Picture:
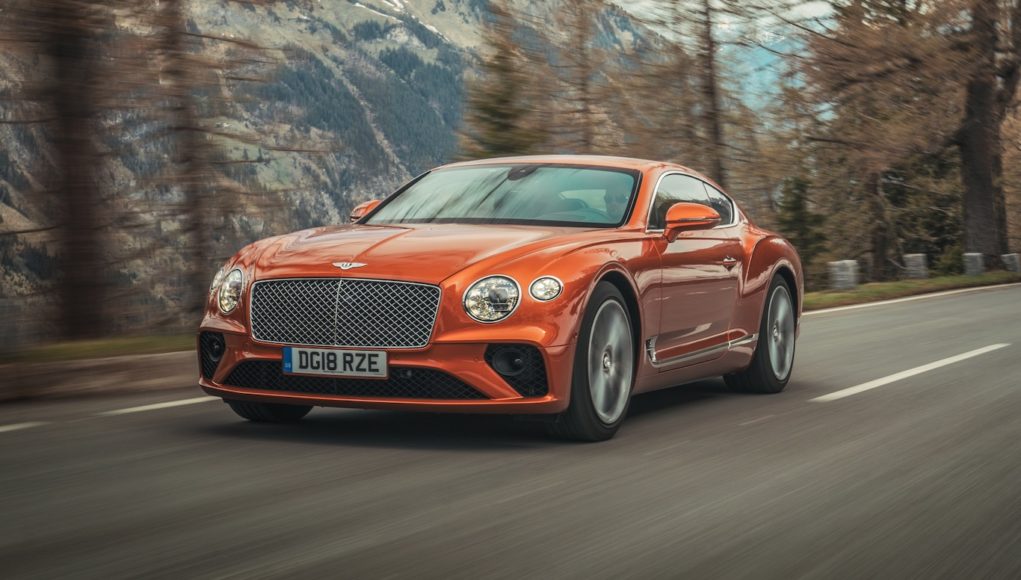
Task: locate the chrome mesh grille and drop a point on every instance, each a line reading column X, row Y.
column 344, row 312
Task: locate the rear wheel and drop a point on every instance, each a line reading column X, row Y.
column 269, row 412
column 773, row 361
column 604, row 366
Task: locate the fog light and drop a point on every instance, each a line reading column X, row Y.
column 216, row 349
column 509, row 361
column 212, row 347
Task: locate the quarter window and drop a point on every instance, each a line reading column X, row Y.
column 675, row 188
column 721, row 203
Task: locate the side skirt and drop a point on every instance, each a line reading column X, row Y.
column 698, row 355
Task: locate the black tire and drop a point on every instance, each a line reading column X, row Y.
column 759, row 377
column 269, row 412
column 581, row 422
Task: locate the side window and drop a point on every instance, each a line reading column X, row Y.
column 721, row 203
column 675, row 188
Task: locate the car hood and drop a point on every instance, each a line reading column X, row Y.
column 423, row 253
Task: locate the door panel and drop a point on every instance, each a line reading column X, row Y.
column 700, row 279
column 700, row 286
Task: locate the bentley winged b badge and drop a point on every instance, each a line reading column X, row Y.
column 348, row 265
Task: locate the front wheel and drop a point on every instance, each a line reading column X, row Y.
column 604, row 369
column 269, row 412
column 773, row 361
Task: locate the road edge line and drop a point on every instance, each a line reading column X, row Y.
column 910, row 298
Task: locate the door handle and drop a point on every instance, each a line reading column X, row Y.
column 729, row 262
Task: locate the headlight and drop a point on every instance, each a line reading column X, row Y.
column 230, row 291
column 545, row 288
column 492, row 299
column 217, row 279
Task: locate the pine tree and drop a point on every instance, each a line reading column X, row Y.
column 502, row 118
column 798, row 223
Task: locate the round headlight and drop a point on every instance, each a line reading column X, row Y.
column 230, row 291
column 217, row 279
column 492, row 299
column 545, row 288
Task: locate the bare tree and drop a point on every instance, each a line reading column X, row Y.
column 711, row 115
column 577, row 67
column 193, row 150
column 877, row 83
column 994, row 49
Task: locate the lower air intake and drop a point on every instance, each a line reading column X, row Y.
column 521, row 365
column 403, row 383
column 211, row 349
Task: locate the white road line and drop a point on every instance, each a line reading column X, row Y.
column 19, row 426
column 906, row 374
column 157, row 406
column 910, row 299
column 667, row 448
column 754, row 421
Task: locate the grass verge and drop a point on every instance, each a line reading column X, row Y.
column 101, row 348
column 876, row 291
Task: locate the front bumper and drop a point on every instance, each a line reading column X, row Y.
column 466, row 362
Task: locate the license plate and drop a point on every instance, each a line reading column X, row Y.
column 334, row 363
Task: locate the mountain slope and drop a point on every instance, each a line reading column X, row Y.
column 376, row 86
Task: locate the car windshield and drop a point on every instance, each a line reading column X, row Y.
column 514, row 194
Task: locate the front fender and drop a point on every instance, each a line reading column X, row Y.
column 553, row 323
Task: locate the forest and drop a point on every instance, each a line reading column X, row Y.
column 860, row 129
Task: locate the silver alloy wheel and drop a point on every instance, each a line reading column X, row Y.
column 610, row 361
column 780, row 333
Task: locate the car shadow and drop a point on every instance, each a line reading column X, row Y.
column 684, row 396
column 391, row 429
column 450, row 432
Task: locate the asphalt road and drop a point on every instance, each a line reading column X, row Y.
column 918, row 476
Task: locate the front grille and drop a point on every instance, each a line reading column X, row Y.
column 404, row 382
column 530, row 379
column 344, row 312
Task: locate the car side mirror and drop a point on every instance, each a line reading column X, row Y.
column 682, row 217
column 362, row 209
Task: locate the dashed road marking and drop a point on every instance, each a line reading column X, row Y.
column 754, row 421
column 20, row 426
column 667, row 448
column 157, row 406
column 906, row 374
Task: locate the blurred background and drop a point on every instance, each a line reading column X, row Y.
column 143, row 142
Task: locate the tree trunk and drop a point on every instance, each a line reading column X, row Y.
column 980, row 143
column 582, row 23
column 192, row 154
column 882, row 268
column 82, row 291
column 1000, row 202
column 711, row 115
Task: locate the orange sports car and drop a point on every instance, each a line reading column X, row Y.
column 555, row 286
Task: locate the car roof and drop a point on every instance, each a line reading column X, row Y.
column 588, row 160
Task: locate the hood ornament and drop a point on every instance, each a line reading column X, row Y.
column 348, row 265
